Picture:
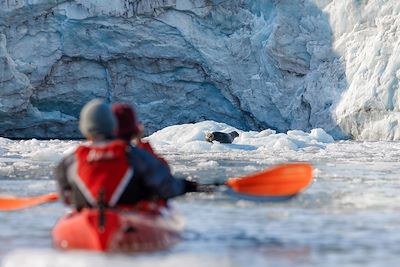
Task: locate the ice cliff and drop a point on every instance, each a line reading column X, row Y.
column 253, row 64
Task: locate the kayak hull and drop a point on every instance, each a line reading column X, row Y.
column 117, row 231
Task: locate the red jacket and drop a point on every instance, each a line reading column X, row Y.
column 116, row 174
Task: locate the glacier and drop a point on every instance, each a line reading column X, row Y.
column 252, row 64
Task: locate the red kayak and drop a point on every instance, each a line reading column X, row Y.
column 118, row 231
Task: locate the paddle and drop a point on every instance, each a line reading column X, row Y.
column 14, row 203
column 278, row 183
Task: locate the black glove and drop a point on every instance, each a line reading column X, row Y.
column 190, row 186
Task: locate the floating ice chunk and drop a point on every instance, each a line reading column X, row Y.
column 285, row 144
column 208, row 164
column 184, row 133
column 196, row 146
column 47, row 154
column 321, row 136
column 191, row 137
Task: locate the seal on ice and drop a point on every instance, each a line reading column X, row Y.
column 225, row 138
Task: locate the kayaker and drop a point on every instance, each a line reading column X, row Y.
column 108, row 172
column 130, row 129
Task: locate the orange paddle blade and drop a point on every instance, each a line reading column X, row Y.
column 282, row 180
column 15, row 203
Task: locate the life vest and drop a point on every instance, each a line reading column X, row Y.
column 103, row 172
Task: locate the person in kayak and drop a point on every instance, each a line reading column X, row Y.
column 130, row 129
column 108, row 172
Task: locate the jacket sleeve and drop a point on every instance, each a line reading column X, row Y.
column 156, row 175
column 147, row 146
column 63, row 185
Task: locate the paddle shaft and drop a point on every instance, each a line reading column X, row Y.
column 278, row 183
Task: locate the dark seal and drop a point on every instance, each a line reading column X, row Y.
column 225, row 138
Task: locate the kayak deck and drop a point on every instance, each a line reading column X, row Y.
column 118, row 231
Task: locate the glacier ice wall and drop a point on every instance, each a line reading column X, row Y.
column 252, row 64
column 367, row 36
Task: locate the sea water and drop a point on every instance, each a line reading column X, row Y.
column 349, row 216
